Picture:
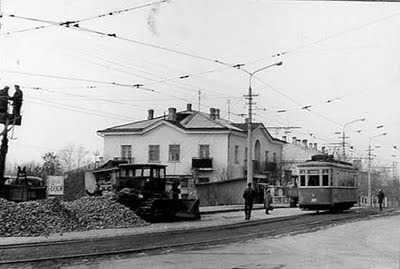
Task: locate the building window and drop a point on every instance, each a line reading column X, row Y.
column 236, row 154
column 174, row 153
column 126, row 151
column 204, row 151
column 267, row 156
column 154, row 153
column 274, row 156
column 203, row 180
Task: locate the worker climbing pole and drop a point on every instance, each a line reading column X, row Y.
column 9, row 121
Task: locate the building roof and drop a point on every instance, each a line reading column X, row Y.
column 187, row 120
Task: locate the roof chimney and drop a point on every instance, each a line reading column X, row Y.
column 212, row 113
column 188, row 107
column 316, row 146
column 323, row 149
column 284, row 138
column 305, row 143
column 151, row 114
column 298, row 142
column 217, row 113
column 294, row 140
column 171, row 114
column 310, row 145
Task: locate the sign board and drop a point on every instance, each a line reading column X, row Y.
column 55, row 185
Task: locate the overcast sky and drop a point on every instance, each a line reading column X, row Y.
column 340, row 58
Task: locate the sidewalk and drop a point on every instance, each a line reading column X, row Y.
column 211, row 217
column 232, row 208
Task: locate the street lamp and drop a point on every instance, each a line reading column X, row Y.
column 249, row 123
column 344, row 136
column 369, row 167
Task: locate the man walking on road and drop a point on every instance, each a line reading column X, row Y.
column 380, row 196
column 248, row 195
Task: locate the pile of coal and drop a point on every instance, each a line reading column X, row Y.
column 50, row 216
column 35, row 218
column 101, row 212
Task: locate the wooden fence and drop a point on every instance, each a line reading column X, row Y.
column 227, row 192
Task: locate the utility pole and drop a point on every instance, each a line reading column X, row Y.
column 229, row 110
column 249, row 97
column 369, row 175
column 3, row 150
column 369, row 169
column 1, row 15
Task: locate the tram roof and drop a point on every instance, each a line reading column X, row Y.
column 337, row 164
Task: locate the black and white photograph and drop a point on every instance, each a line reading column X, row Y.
column 200, row 134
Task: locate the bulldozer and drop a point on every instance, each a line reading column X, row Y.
column 143, row 188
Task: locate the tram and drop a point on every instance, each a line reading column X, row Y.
column 327, row 184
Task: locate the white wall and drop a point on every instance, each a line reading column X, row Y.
column 236, row 170
column 164, row 135
column 267, row 145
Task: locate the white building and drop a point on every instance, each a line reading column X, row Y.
column 193, row 143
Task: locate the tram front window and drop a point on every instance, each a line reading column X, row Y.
column 313, row 180
column 302, row 180
column 325, row 180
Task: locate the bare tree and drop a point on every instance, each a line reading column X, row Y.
column 73, row 156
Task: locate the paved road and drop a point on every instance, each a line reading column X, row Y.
column 180, row 260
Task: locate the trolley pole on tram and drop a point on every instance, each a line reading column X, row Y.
column 249, row 97
column 369, row 169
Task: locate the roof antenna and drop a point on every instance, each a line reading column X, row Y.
column 199, row 100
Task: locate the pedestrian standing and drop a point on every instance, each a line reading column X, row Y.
column 380, row 196
column 267, row 200
column 248, row 195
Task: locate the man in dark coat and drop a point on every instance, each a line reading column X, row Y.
column 17, row 101
column 380, row 196
column 4, row 97
column 248, row 195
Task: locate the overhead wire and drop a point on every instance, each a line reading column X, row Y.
column 182, row 77
column 136, row 86
column 67, row 23
column 75, row 25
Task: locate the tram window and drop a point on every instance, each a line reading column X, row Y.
column 302, row 171
column 302, row 180
column 325, row 180
column 313, row 180
column 138, row 172
column 130, row 173
column 146, row 172
column 123, row 173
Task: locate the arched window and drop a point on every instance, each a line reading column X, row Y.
column 257, row 151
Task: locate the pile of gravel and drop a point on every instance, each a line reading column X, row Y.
column 46, row 217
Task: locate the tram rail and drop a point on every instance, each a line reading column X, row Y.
column 191, row 238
